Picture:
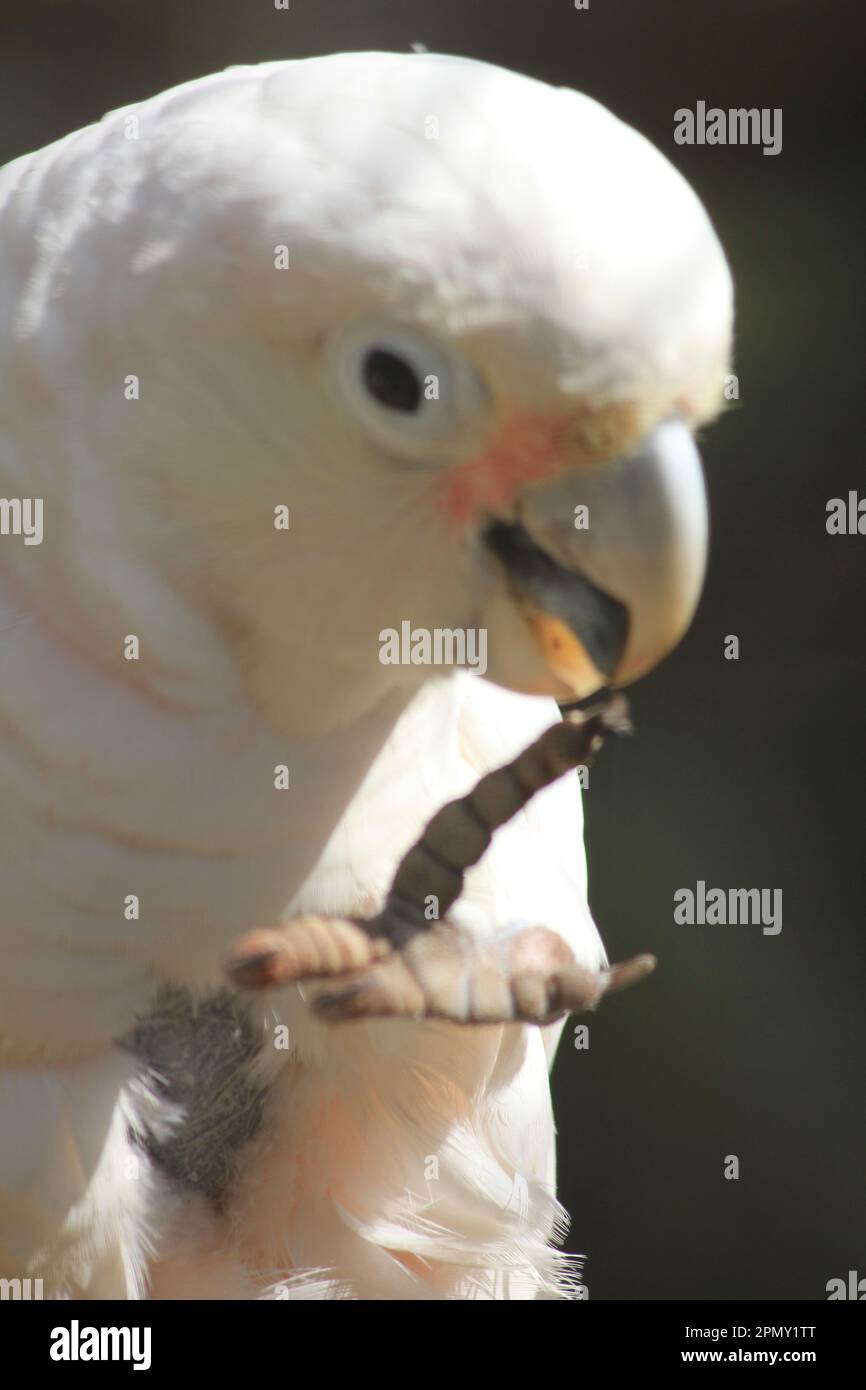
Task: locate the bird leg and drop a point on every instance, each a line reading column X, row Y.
column 399, row 964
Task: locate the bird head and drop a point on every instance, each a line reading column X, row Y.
column 517, row 313
column 460, row 324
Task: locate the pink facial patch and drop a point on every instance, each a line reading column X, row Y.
column 525, row 448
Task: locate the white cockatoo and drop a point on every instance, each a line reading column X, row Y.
column 293, row 356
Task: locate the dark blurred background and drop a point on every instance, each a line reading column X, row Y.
column 744, row 773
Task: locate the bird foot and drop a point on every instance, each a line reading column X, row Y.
column 400, row 965
column 528, row 975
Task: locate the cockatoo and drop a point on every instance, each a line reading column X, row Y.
column 293, row 355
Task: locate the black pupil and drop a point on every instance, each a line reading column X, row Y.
column 391, row 380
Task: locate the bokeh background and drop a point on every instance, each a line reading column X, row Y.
column 745, row 773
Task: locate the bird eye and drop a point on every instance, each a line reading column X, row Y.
column 391, row 379
column 415, row 397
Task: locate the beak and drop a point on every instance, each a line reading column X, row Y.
column 608, row 591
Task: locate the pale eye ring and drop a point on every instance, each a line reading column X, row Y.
column 417, row 398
